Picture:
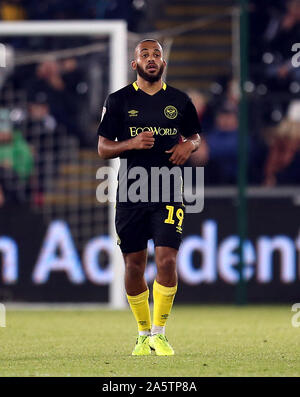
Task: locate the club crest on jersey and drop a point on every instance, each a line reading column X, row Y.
column 170, row 112
column 133, row 113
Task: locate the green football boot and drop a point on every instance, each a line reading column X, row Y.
column 142, row 347
column 160, row 344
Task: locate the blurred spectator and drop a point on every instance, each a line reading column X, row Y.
column 283, row 160
column 203, row 109
column 226, row 94
column 282, row 32
column 39, row 113
column 232, row 95
column 64, row 86
column 199, row 101
column 16, row 160
column 222, row 145
column 260, row 14
column 43, row 135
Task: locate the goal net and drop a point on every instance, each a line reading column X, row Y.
column 53, row 82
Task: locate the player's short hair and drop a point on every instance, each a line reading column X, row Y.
column 145, row 40
column 153, row 40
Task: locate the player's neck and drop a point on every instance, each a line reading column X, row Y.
column 149, row 88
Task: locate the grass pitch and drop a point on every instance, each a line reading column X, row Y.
column 208, row 341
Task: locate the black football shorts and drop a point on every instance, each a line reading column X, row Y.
column 161, row 222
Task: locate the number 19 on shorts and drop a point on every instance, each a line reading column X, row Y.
column 179, row 215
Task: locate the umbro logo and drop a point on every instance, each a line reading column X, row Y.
column 133, row 113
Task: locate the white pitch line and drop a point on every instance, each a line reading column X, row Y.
column 19, row 306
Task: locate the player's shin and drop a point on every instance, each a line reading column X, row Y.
column 139, row 305
column 163, row 298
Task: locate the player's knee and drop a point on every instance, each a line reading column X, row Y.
column 134, row 270
column 167, row 265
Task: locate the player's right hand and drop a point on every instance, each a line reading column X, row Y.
column 144, row 140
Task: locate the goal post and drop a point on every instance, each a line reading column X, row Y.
column 118, row 60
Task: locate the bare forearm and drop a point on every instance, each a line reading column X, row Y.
column 109, row 149
column 195, row 140
column 112, row 149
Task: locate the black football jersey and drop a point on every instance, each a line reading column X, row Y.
column 169, row 114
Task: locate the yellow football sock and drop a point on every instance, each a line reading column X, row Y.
column 139, row 305
column 162, row 303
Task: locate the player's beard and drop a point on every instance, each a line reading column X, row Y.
column 151, row 78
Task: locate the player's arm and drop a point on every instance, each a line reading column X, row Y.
column 109, row 149
column 195, row 140
column 190, row 124
column 182, row 151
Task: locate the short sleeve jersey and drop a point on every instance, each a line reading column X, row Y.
column 169, row 114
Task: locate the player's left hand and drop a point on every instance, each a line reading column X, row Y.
column 180, row 152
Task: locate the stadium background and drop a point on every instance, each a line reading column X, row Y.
column 54, row 235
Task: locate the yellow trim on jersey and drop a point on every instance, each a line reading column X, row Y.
column 136, row 87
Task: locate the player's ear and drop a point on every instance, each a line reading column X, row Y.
column 165, row 63
column 133, row 65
